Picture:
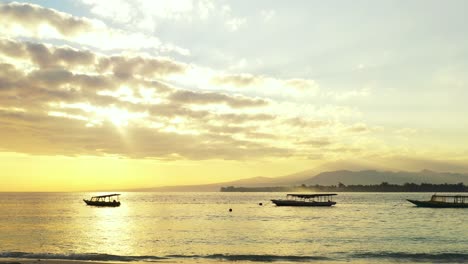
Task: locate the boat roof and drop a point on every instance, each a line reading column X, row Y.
column 107, row 195
column 449, row 196
column 310, row 195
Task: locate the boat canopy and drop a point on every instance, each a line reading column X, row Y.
column 311, row 195
column 450, row 196
column 107, row 195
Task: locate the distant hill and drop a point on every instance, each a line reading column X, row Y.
column 214, row 187
column 310, row 177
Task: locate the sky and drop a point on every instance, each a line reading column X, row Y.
column 126, row 94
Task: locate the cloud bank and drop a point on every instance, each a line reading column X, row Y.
column 71, row 86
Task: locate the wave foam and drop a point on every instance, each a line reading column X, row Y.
column 89, row 256
column 109, row 257
column 395, row 256
column 416, row 257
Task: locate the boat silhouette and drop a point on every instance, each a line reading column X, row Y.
column 111, row 200
column 443, row 201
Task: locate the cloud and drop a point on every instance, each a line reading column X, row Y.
column 45, row 56
column 363, row 128
column 70, row 100
column 9, row 75
column 33, row 16
column 358, row 128
column 267, row 15
column 344, row 95
column 242, row 118
column 124, row 67
column 190, row 97
column 49, row 135
column 50, row 108
column 317, row 142
column 235, row 23
column 302, row 84
column 147, row 14
column 237, row 80
column 34, row 21
column 302, row 123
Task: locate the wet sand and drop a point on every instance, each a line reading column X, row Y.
column 186, row 261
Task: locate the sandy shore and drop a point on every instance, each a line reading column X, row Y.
column 182, row 261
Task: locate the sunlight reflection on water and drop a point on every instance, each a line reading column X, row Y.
column 161, row 224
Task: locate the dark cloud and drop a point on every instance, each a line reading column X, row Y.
column 160, row 86
column 40, row 87
column 41, row 134
column 125, row 67
column 9, row 75
column 242, row 118
column 33, row 16
column 58, row 107
column 45, row 56
column 121, row 66
column 54, row 78
column 28, row 127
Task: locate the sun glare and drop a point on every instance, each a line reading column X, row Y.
column 98, row 115
column 118, row 117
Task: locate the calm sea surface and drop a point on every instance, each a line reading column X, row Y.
column 154, row 226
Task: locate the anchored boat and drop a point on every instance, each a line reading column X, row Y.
column 323, row 199
column 443, row 201
column 111, row 200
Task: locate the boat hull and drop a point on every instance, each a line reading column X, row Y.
column 103, row 204
column 434, row 204
column 301, row 203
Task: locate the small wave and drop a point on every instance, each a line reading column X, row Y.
column 416, row 257
column 109, row 257
column 396, row 256
column 89, row 256
column 259, row 258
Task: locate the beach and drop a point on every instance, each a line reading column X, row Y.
column 186, row 261
column 197, row 261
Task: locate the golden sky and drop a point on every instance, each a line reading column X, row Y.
column 110, row 93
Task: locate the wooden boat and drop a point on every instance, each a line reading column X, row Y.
column 111, row 200
column 443, row 201
column 322, row 199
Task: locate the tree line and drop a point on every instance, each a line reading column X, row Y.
column 340, row 187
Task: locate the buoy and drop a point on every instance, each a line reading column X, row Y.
column 230, row 209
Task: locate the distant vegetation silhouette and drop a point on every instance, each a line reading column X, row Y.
column 383, row 187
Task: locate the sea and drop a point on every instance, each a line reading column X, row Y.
column 174, row 227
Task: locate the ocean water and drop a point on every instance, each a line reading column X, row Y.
column 362, row 227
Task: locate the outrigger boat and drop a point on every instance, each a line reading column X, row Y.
column 322, row 199
column 443, row 201
column 111, row 200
